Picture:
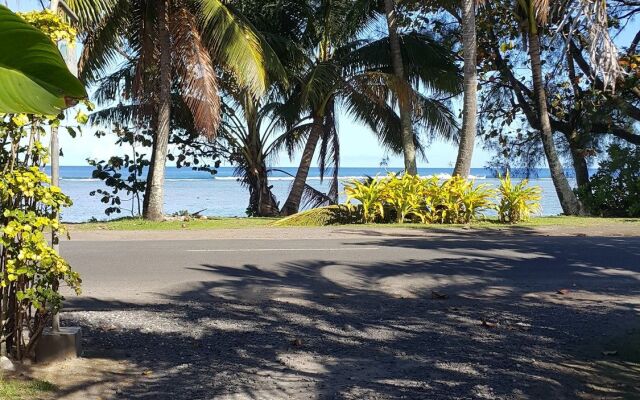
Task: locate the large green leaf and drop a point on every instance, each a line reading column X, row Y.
column 34, row 78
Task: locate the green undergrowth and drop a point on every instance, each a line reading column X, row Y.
column 332, row 216
column 338, row 215
column 323, row 216
column 25, row 389
column 138, row 224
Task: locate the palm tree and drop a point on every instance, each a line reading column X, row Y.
column 534, row 15
column 358, row 75
column 406, row 122
column 172, row 46
column 470, row 100
column 248, row 132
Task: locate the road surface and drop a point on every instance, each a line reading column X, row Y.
column 366, row 314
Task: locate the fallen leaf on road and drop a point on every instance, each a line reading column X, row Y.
column 489, row 324
column 147, row 372
column 438, row 296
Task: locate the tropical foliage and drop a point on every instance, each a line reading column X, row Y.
column 370, row 195
column 428, row 200
column 31, row 269
column 123, row 175
column 614, row 191
column 517, row 202
column 171, row 55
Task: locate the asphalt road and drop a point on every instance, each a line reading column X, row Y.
column 142, row 269
column 306, row 314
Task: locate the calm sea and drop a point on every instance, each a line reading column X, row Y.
column 223, row 195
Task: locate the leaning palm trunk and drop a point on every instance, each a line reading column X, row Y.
column 155, row 192
column 292, row 205
column 403, row 88
column 568, row 200
column 470, row 102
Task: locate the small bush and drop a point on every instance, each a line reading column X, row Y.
column 404, row 195
column 458, row 201
column 517, row 202
column 370, row 194
column 614, row 191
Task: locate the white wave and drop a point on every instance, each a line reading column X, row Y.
column 274, row 178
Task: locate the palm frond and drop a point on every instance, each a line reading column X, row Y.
column 197, row 79
column 435, row 118
column 234, row 43
column 102, row 41
column 429, row 65
column 90, row 12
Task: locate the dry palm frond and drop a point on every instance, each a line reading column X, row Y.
column 198, row 81
column 142, row 39
column 541, row 9
column 591, row 15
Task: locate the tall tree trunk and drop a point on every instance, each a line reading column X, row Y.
column 470, row 102
column 568, row 200
column 580, row 165
column 292, row 205
column 155, row 192
column 404, row 90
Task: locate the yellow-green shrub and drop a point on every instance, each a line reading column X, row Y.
column 457, row 200
column 370, row 194
column 517, row 202
column 454, row 201
column 405, row 195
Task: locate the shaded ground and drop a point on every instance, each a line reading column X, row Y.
column 353, row 317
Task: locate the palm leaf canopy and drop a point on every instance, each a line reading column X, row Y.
column 360, row 77
column 208, row 37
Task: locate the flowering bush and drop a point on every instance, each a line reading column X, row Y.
column 30, row 268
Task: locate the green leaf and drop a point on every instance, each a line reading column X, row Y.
column 33, row 75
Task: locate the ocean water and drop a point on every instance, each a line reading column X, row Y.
column 223, row 195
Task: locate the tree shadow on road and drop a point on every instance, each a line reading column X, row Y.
column 484, row 319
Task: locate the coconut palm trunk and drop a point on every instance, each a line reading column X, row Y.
column 403, row 90
column 155, row 192
column 262, row 202
column 260, row 194
column 470, row 101
column 292, row 205
column 568, row 200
